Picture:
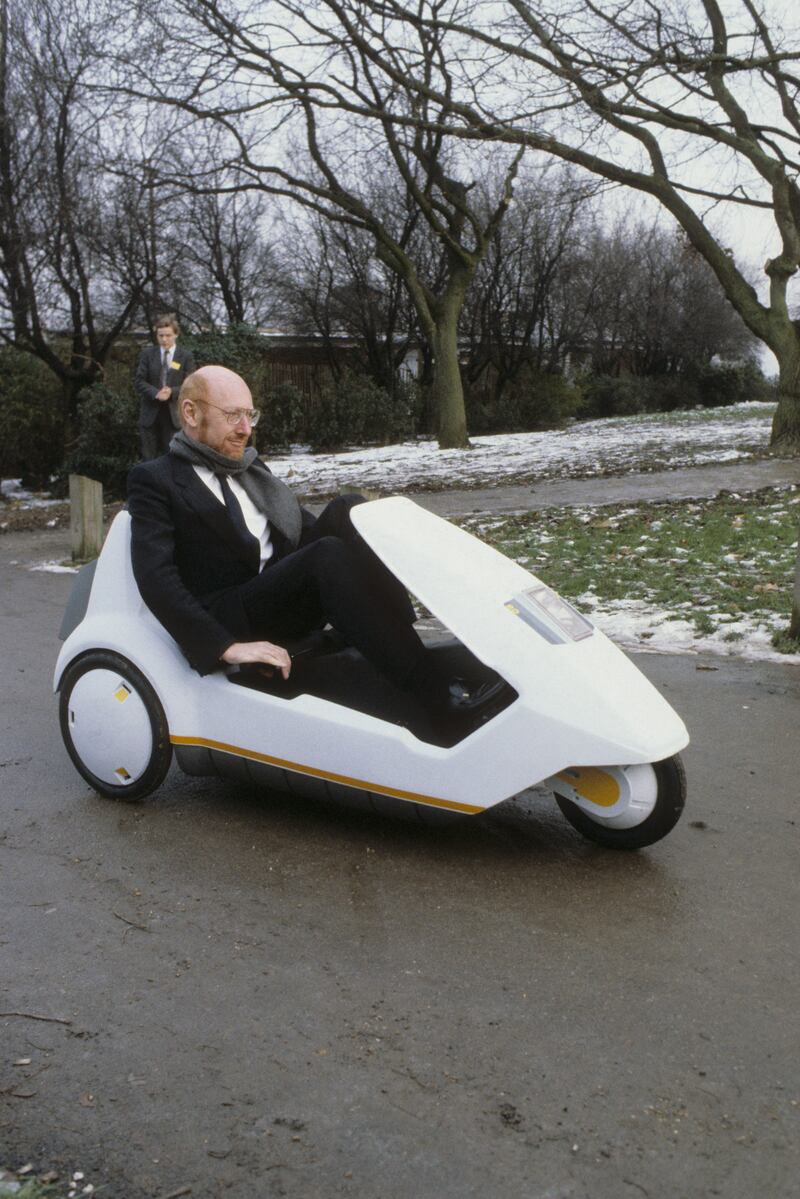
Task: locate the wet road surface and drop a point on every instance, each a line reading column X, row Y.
column 251, row 995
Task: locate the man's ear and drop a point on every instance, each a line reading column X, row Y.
column 188, row 414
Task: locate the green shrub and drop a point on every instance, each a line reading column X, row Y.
column 537, row 401
column 235, row 348
column 718, row 386
column 709, row 386
column 107, row 444
column 355, row 411
column 629, row 395
column 666, row 393
column 533, row 400
column 611, row 395
column 283, row 416
column 241, row 349
column 32, row 422
column 409, row 408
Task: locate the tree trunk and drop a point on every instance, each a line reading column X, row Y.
column 786, row 423
column 447, row 389
column 72, row 385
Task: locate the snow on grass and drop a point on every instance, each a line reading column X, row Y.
column 621, row 445
column 636, row 625
column 54, row 568
column 710, row 576
column 692, row 577
column 14, row 493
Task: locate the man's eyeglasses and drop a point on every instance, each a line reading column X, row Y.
column 234, row 415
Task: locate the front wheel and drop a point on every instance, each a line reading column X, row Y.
column 114, row 726
column 623, row 807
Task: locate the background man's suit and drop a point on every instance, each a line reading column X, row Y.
column 159, row 419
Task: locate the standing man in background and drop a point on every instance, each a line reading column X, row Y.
column 159, row 374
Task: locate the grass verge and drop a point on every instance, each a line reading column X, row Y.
column 12, row 1188
column 723, row 567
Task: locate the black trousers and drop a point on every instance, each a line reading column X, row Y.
column 155, row 438
column 334, row 578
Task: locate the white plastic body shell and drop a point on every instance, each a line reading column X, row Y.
column 581, row 702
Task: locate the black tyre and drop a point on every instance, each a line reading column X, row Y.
column 670, row 798
column 113, row 726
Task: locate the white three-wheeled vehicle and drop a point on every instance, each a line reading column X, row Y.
column 584, row 720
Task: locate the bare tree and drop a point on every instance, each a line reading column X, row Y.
column 333, row 283
column 508, row 315
column 225, row 274
column 647, row 303
column 303, row 64
column 70, row 263
column 692, row 103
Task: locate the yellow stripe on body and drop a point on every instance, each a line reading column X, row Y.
column 314, row 772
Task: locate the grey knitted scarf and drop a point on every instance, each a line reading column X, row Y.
column 270, row 495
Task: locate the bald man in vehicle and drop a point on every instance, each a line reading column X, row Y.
column 234, row 568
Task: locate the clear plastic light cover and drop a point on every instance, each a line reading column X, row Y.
column 550, row 615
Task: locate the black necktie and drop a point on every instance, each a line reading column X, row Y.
column 235, row 511
column 164, row 367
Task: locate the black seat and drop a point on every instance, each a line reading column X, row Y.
column 323, row 664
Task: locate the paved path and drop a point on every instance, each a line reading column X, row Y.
column 688, row 482
column 247, row 994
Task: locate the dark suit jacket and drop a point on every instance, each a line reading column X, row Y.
column 147, row 381
column 189, row 559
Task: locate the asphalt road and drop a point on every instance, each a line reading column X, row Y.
column 250, row 995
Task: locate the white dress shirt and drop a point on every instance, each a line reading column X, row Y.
column 256, row 521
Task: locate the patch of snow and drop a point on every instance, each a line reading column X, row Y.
column 54, row 568
column 616, row 446
column 13, row 491
column 613, row 446
column 634, row 625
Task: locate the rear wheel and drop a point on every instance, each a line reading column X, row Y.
column 656, row 794
column 114, row 726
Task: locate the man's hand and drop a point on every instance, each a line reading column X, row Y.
column 258, row 651
column 164, row 394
